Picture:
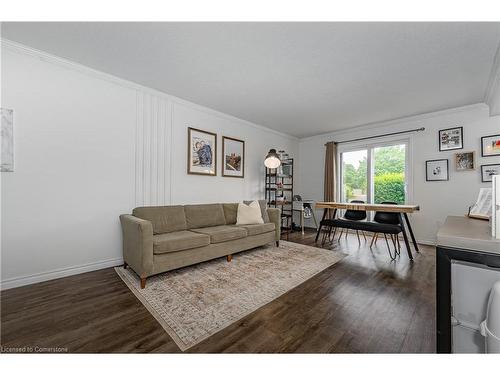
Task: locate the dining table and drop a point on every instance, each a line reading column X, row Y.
column 401, row 209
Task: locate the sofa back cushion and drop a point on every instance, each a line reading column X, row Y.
column 165, row 219
column 230, row 212
column 204, row 215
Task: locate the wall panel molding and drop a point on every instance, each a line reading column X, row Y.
column 152, row 149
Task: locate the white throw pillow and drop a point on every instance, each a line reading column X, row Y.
column 249, row 214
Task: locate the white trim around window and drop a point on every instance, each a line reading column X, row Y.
column 369, row 145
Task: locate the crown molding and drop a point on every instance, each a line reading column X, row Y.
column 83, row 69
column 399, row 120
column 493, row 87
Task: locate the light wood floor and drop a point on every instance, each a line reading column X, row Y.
column 363, row 304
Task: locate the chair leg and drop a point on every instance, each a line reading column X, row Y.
column 357, row 234
column 363, row 233
column 346, row 233
column 374, row 238
column 389, row 248
column 333, row 235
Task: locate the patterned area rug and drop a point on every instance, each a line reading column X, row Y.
column 195, row 302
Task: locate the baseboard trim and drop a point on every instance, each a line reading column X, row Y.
column 58, row 273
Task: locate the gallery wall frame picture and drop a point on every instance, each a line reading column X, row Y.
column 490, row 145
column 437, row 170
column 7, row 140
column 488, row 171
column 201, row 152
column 465, row 161
column 233, row 157
column 451, row 138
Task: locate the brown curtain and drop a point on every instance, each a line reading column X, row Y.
column 330, row 172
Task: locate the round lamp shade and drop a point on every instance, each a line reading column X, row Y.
column 272, row 159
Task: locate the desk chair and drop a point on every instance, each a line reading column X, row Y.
column 391, row 218
column 353, row 215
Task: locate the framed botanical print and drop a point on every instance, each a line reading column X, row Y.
column 451, row 139
column 202, row 151
column 490, row 145
column 436, row 170
column 233, row 157
column 465, row 161
column 488, row 171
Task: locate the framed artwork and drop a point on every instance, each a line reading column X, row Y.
column 436, row 170
column 451, row 139
column 465, row 161
column 202, row 151
column 488, row 171
column 7, row 135
column 490, row 145
column 233, row 157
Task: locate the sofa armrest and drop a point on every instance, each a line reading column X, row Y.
column 275, row 217
column 138, row 244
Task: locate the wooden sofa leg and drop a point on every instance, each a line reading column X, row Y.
column 143, row 282
column 229, row 257
column 125, row 265
column 278, row 243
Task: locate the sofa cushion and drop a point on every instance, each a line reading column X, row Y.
column 230, row 212
column 165, row 219
column 255, row 229
column 177, row 241
column 249, row 214
column 222, row 233
column 263, row 209
column 204, row 215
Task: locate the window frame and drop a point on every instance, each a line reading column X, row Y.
column 369, row 146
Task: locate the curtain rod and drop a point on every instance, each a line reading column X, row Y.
column 381, row 135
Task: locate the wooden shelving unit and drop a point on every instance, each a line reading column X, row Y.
column 279, row 183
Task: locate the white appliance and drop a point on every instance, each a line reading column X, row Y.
column 471, row 286
column 495, row 211
column 490, row 328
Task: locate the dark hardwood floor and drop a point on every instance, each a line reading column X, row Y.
column 363, row 304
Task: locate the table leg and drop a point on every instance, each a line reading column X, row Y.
column 407, row 243
column 321, row 224
column 411, row 232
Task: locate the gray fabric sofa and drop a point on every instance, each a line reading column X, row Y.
column 160, row 239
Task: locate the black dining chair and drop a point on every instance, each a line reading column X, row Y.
column 391, row 218
column 353, row 215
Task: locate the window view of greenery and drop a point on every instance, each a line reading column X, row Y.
column 354, row 175
column 388, row 178
column 389, row 174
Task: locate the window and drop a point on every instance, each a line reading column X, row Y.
column 374, row 173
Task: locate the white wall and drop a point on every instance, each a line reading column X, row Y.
column 436, row 199
column 88, row 147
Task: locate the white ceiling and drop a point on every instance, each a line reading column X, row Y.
column 298, row 78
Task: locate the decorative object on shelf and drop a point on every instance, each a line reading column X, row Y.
column 7, row 134
column 202, row 151
column 233, row 157
column 490, row 145
column 436, row 170
column 465, row 161
column 451, row 139
column 488, row 171
column 272, row 159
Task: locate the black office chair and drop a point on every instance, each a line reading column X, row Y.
column 353, row 215
column 391, row 218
